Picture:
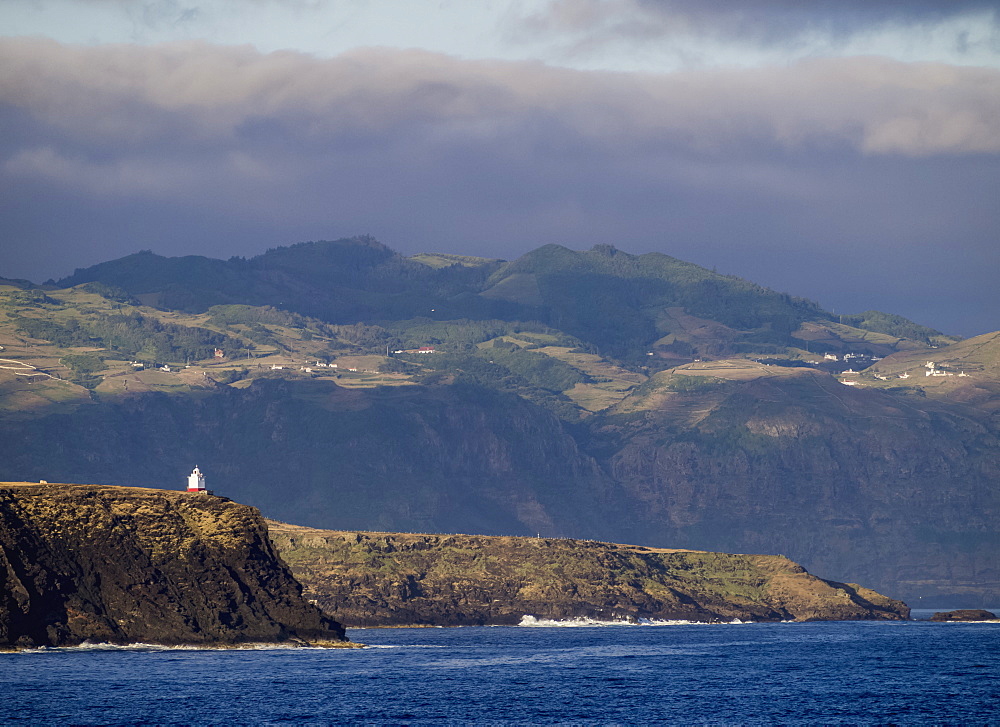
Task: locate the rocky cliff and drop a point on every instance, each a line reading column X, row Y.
column 897, row 492
column 312, row 452
column 384, row 579
column 124, row 565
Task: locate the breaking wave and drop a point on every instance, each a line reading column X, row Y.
column 140, row 647
column 532, row 621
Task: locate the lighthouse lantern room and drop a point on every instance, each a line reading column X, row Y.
column 196, row 481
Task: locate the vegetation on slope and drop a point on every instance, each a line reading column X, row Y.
column 720, row 453
column 610, row 298
column 606, row 298
column 388, row 579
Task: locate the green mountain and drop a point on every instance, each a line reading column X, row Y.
column 343, row 281
column 591, row 394
column 619, row 304
column 619, row 301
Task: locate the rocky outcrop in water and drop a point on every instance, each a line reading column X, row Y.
column 386, row 579
column 125, row 565
column 965, row 614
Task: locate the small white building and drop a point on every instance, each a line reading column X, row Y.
column 196, row 481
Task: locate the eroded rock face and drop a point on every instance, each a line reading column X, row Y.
column 384, row 579
column 124, row 565
column 900, row 493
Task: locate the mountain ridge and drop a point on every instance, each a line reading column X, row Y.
column 300, row 272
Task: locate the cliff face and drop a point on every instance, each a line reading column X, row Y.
column 124, row 565
column 896, row 491
column 406, row 458
column 383, row 579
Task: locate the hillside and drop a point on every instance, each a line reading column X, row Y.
column 129, row 565
column 342, row 281
column 772, row 427
column 389, row 579
column 619, row 303
column 898, row 485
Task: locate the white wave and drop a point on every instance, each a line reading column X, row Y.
column 532, row 621
column 141, row 647
column 405, row 646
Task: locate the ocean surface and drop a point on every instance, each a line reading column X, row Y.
column 786, row 673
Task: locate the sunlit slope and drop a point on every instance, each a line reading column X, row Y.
column 974, row 362
column 383, row 579
column 898, row 484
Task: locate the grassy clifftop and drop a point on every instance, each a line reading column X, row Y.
column 381, row 579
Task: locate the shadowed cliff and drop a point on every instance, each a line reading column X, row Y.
column 125, row 565
column 385, row 579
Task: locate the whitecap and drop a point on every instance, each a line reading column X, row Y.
column 87, row 647
column 584, row 621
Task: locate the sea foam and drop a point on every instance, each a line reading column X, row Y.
column 141, row 647
column 532, row 621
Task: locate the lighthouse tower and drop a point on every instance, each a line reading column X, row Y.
column 196, row 481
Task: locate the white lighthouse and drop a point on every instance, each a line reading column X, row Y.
column 196, row 481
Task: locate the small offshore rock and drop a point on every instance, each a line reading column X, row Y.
column 965, row 614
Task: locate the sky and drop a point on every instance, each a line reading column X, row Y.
column 847, row 152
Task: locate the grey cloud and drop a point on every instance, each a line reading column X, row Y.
column 584, row 25
column 194, row 95
column 816, row 179
column 843, row 15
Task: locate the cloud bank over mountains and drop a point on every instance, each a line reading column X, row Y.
column 863, row 181
column 868, row 105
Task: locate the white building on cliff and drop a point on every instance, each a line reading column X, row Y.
column 196, row 481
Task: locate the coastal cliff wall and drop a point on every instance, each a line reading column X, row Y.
column 385, row 579
column 125, row 565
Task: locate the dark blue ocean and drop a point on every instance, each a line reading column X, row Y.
column 813, row 673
